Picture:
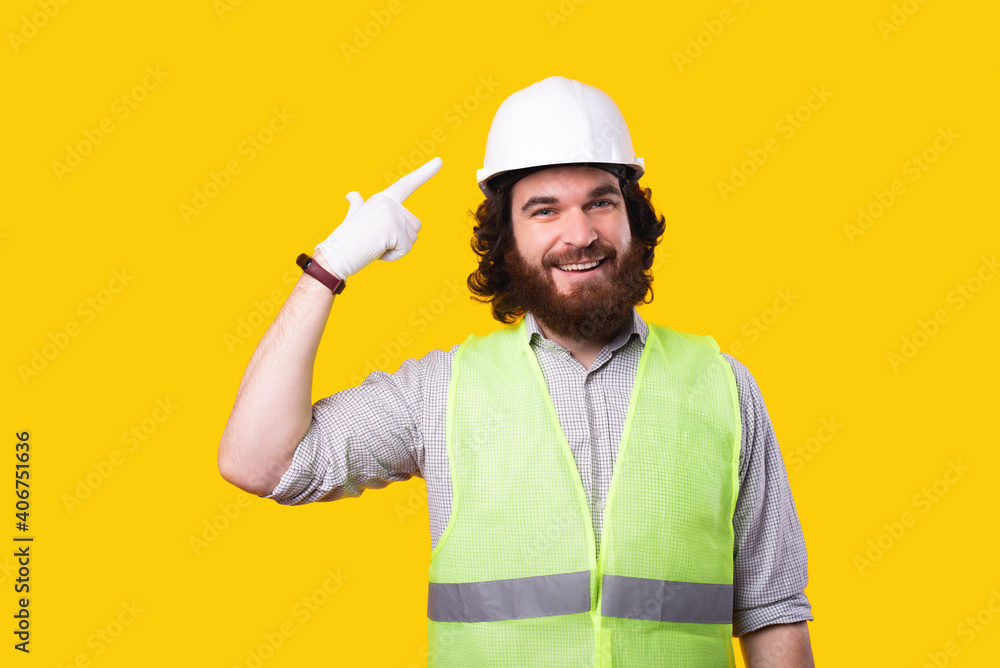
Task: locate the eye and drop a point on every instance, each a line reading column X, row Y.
column 606, row 202
column 541, row 211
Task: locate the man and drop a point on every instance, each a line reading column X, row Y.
column 602, row 491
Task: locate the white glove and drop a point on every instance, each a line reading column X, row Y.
column 380, row 228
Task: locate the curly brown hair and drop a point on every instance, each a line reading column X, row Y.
column 493, row 233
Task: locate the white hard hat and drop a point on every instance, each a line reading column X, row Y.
column 558, row 121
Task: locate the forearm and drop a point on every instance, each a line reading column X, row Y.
column 273, row 407
column 778, row 646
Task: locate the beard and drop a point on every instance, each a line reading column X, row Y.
column 594, row 310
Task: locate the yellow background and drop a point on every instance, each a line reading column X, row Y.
column 356, row 116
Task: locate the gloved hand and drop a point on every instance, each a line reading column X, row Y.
column 380, row 228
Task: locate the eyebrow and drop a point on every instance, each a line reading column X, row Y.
column 606, row 189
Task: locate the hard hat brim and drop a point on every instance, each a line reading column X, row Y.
column 631, row 172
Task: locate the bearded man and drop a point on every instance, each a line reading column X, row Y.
column 602, row 491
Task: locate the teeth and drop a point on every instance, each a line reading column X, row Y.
column 579, row 267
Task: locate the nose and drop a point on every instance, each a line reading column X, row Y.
column 578, row 229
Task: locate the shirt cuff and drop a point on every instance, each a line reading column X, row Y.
column 786, row 611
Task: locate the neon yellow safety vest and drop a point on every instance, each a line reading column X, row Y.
column 514, row 579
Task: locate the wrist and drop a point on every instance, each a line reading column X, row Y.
column 312, row 287
column 318, row 257
column 320, row 274
column 333, row 261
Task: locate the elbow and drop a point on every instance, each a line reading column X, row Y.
column 241, row 476
column 232, row 476
column 249, row 473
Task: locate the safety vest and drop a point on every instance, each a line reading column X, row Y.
column 514, row 578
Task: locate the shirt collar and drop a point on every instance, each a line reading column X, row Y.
column 634, row 326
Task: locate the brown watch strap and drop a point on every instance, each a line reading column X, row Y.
column 314, row 269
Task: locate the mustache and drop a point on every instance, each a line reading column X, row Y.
column 603, row 250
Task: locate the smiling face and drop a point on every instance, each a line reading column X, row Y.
column 570, row 221
column 573, row 262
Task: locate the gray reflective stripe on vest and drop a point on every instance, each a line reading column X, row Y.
column 517, row 598
column 667, row 601
column 569, row 593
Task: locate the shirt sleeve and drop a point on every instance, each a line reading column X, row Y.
column 364, row 437
column 770, row 563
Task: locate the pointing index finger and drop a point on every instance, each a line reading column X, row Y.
column 405, row 186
